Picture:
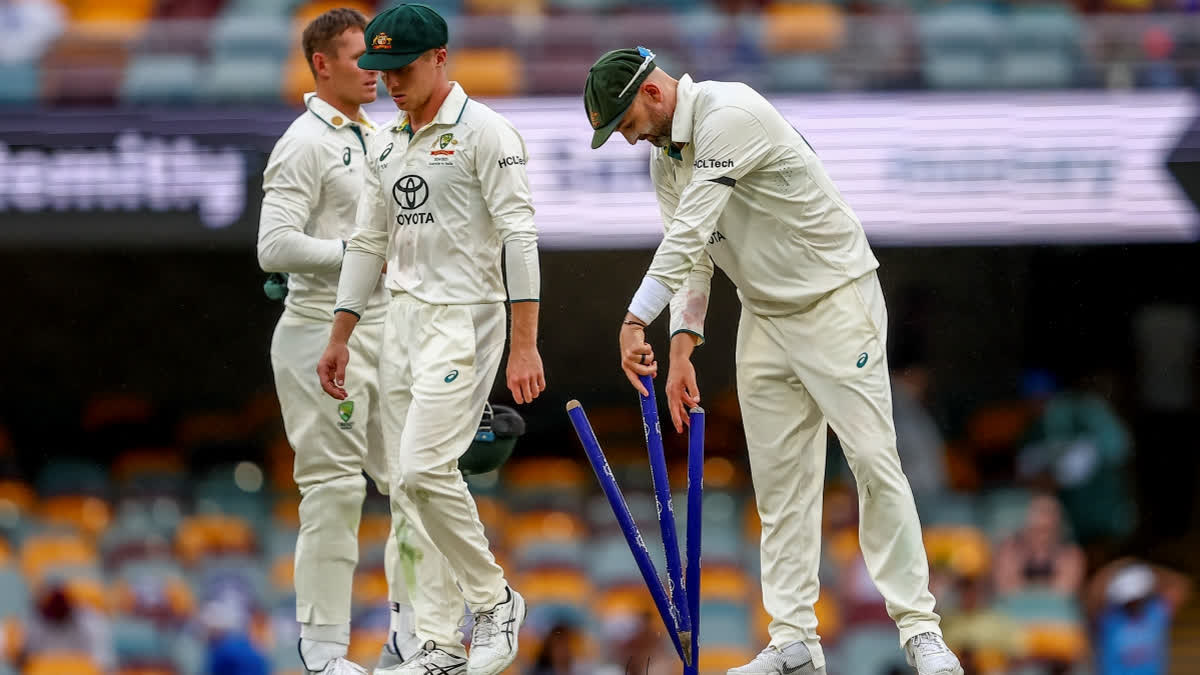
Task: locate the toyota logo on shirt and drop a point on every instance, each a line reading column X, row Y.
column 410, row 192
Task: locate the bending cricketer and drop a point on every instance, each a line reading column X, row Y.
column 739, row 187
column 445, row 193
column 312, row 183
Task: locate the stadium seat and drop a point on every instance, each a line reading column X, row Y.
column 449, row 9
column 557, row 586
column 725, row 583
column 160, row 78
column 716, row 659
column 960, row 45
column 16, row 497
column 237, row 35
column 370, row 585
column 829, row 619
column 569, row 554
column 72, row 477
column 543, row 526
column 1040, row 606
column 870, row 650
column 211, row 535
column 366, row 643
column 542, row 474
column 477, row 7
column 1036, row 69
column 155, row 589
column 803, row 27
column 963, row 549
column 137, row 640
column 89, row 515
column 14, row 593
column 12, row 640
column 724, row 624
column 297, row 81
column 373, row 530
column 240, row 78
column 799, row 73
column 57, row 663
column 44, row 554
column 949, row 509
column 1004, row 511
column 18, row 83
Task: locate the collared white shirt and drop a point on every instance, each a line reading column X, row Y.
column 450, row 197
column 748, row 191
column 311, row 188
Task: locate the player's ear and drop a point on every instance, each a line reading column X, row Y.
column 653, row 91
column 439, row 56
column 320, row 64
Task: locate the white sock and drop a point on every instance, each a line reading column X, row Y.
column 320, row 644
column 404, row 636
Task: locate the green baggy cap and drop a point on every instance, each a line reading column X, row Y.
column 612, row 84
column 397, row 36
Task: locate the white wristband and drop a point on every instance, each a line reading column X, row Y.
column 651, row 299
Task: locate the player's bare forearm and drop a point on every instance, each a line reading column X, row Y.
column 526, row 379
column 343, row 327
column 682, row 345
column 524, row 325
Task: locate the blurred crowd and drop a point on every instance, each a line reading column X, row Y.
column 246, row 51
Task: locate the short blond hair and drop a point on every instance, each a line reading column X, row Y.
column 321, row 32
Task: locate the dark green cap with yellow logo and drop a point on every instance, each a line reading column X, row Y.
column 612, row 84
column 397, row 36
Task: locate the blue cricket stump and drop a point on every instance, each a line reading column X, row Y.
column 666, row 518
column 629, row 528
column 695, row 519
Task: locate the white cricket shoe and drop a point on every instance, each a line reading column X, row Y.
column 930, row 655
column 494, row 636
column 341, row 666
column 431, row 660
column 793, row 659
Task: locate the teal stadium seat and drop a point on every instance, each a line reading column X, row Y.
column 725, row 624
column 1042, row 48
column 160, row 78
column 799, row 72
column 72, row 477
column 18, row 83
column 1028, row 606
column 267, row 36
column 960, row 46
column 868, row 650
column 139, row 641
column 1004, row 511
column 14, row 593
column 949, row 509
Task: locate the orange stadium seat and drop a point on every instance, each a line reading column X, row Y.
column 260, row 411
column 61, row 663
column 723, row 582
column 16, row 496
column 203, row 535
column 373, row 530
column 551, row 474
column 370, row 586
column 492, row 513
column 556, row 586
column 487, row 71
column 90, row 515
column 721, row 659
column 12, row 639
column 41, row 553
column 963, row 549
column 286, row 512
column 751, row 523
column 365, row 644
column 157, row 461
column 624, row 601
column 5, row 552
column 309, row 11
column 804, row 27
column 89, row 592
column 209, row 428
column 283, row 572
column 1061, row 642
column 541, row 526
column 829, row 618
column 106, row 409
column 297, row 79
column 505, row 6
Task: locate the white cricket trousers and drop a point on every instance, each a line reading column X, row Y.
column 795, row 374
column 334, row 442
column 436, row 370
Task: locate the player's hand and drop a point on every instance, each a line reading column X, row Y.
column 331, row 369
column 637, row 357
column 682, row 392
column 526, row 379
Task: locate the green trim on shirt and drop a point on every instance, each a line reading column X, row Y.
column 462, row 110
column 525, row 300
column 348, row 311
column 358, row 132
column 673, row 152
column 690, row 332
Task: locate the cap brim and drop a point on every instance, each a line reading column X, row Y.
column 600, row 136
column 387, row 61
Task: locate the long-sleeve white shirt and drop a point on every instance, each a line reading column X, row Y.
column 311, row 187
column 440, row 205
column 748, row 192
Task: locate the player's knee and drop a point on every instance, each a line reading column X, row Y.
column 340, row 495
column 416, row 481
column 876, row 467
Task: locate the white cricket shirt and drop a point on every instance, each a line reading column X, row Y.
column 310, row 197
column 749, row 192
column 441, row 204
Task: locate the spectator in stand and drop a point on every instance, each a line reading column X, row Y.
column 1039, row 555
column 557, row 655
column 63, row 625
column 230, row 651
column 1132, row 605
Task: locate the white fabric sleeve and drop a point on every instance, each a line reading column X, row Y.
column 729, row 143
column 689, row 304
column 500, row 159
column 366, row 252
column 291, row 185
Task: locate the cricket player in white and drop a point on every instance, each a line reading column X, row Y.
column 445, row 194
column 739, row 187
column 312, row 183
